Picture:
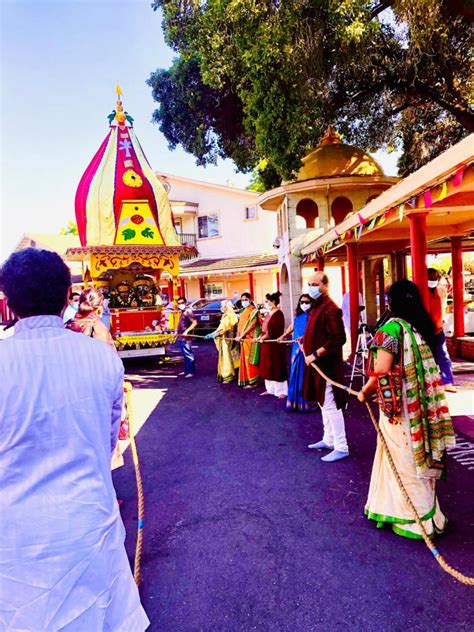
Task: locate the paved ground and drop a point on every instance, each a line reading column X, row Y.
column 247, row 530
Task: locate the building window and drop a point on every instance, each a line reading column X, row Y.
column 250, row 212
column 306, row 213
column 340, row 208
column 208, row 225
column 212, row 290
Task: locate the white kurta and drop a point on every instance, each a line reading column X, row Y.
column 63, row 564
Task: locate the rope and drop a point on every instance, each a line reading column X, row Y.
column 284, row 342
column 141, row 500
column 464, row 579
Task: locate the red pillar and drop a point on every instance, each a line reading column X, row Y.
column 278, row 281
column 251, row 283
column 182, row 287
column 343, row 279
column 353, row 292
column 400, row 265
column 458, row 286
column 418, row 253
column 170, row 290
column 320, row 266
column 202, row 290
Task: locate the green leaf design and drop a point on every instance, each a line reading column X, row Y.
column 128, row 233
column 147, row 232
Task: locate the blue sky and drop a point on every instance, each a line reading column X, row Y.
column 60, row 62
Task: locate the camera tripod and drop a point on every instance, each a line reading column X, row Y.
column 361, row 354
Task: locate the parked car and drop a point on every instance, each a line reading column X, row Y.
column 207, row 312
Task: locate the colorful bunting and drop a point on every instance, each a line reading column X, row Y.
column 427, row 199
column 412, row 202
column 444, row 192
column 381, row 220
column 372, row 223
column 359, row 232
column 458, row 178
column 361, row 219
column 401, row 208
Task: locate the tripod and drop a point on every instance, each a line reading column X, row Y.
column 361, row 353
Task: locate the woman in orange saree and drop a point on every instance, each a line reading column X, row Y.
column 248, row 328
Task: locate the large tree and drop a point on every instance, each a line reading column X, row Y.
column 261, row 79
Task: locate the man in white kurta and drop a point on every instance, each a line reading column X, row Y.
column 63, row 564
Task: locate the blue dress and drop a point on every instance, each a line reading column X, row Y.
column 295, row 400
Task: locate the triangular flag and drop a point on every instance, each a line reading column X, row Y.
column 361, row 219
column 381, row 221
column 372, row 223
column 337, row 232
column 458, row 178
column 412, row 202
column 118, row 91
column 359, row 232
column 401, row 208
column 444, row 192
column 427, row 199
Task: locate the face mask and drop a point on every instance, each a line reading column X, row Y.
column 182, row 307
column 305, row 306
column 245, row 303
column 432, row 284
column 314, row 291
column 268, row 307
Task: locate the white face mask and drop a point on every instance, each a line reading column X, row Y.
column 182, row 306
column 305, row 306
column 314, row 291
column 432, row 284
column 245, row 303
column 268, row 307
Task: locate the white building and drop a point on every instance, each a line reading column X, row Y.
column 233, row 236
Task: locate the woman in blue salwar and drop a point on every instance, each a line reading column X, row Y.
column 295, row 400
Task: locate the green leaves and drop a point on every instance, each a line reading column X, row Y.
column 148, row 233
column 264, row 78
column 128, row 233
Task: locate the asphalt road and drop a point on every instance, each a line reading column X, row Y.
column 246, row 529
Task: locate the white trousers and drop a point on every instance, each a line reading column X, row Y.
column 276, row 388
column 333, row 422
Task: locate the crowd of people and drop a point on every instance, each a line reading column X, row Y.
column 61, row 407
column 409, row 370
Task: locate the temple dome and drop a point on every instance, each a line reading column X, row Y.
column 333, row 158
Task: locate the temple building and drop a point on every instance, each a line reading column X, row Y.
column 335, row 181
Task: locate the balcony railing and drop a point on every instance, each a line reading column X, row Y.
column 187, row 239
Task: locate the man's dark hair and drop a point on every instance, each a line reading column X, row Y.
column 181, row 298
column 73, row 294
column 247, row 295
column 36, row 282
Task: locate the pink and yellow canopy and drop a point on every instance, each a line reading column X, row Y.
column 119, row 199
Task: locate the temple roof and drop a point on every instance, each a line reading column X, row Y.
column 334, row 158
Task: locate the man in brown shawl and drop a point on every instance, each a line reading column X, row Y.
column 323, row 340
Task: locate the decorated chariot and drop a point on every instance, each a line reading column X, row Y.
column 129, row 245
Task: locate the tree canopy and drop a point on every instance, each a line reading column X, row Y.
column 260, row 80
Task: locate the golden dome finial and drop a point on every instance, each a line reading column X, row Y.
column 331, row 137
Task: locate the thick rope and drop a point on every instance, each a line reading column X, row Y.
column 464, row 579
column 141, row 499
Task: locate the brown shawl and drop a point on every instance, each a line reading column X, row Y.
column 325, row 328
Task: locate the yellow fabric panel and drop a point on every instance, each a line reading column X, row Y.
column 145, row 339
column 129, row 232
column 100, row 200
column 164, row 209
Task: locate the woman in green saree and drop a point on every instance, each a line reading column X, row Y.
column 414, row 417
column 248, row 328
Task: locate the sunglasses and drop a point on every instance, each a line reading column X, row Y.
column 305, row 303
